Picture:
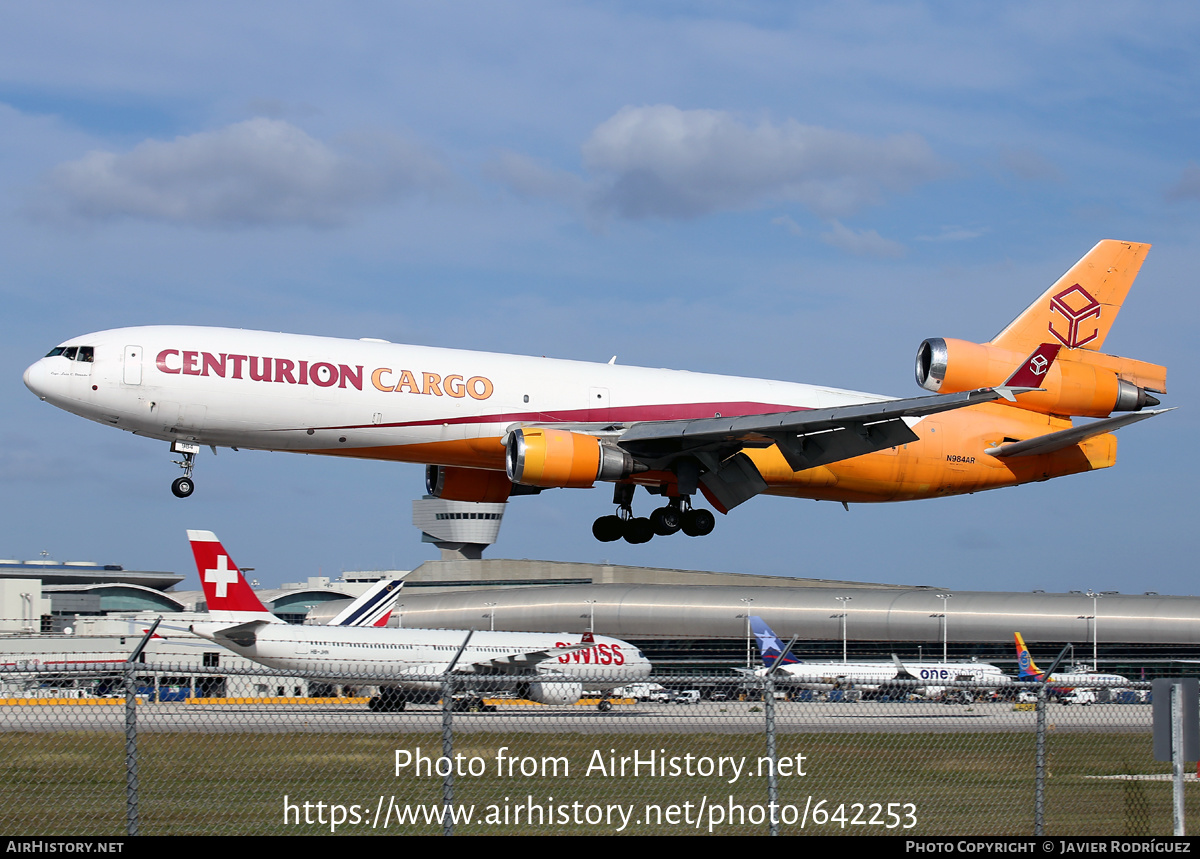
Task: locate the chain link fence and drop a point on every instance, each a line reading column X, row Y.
column 111, row 750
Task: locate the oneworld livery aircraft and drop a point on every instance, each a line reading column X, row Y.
column 490, row 426
column 545, row 667
column 938, row 676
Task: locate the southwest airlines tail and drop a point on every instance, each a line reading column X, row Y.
column 373, row 608
column 226, row 590
column 1026, row 668
column 769, row 645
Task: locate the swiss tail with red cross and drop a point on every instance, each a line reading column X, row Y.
column 226, row 590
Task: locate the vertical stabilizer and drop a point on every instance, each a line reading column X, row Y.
column 1080, row 308
column 226, row 591
column 1026, row 668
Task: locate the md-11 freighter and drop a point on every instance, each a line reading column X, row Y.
column 489, row 426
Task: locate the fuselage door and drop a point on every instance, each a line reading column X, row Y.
column 132, row 372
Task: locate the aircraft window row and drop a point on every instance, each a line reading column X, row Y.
column 469, row 515
column 86, row 354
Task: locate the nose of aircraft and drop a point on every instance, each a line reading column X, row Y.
column 35, row 378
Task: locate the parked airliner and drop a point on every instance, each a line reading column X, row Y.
column 489, row 426
column 1062, row 682
column 938, row 676
column 545, row 667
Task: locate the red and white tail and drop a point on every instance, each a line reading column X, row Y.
column 226, row 590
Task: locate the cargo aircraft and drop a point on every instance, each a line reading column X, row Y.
column 490, row 426
column 545, row 667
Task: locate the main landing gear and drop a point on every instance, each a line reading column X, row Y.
column 182, row 487
column 677, row 515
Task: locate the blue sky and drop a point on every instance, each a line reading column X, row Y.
column 802, row 194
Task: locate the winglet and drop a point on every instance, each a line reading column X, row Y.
column 1034, row 368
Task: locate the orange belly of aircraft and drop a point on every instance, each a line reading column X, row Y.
column 949, row 458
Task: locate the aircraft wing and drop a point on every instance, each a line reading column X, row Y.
column 1068, row 437
column 521, row 663
column 806, row 438
column 242, row 634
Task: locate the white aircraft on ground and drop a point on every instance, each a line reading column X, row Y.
column 1062, row 682
column 871, row 675
column 489, row 426
column 544, row 667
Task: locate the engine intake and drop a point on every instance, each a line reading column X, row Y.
column 1077, row 384
column 538, row 456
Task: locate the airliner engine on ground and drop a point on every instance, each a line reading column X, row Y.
column 545, row 667
column 488, row 426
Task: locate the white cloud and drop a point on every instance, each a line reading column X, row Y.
column 261, row 171
column 954, row 234
column 527, row 178
column 665, row 162
column 789, row 225
column 862, row 243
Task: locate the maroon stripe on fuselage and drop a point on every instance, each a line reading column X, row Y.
column 625, row 414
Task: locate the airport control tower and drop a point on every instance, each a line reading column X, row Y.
column 461, row 529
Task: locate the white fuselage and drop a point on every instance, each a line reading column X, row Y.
column 406, row 656
column 291, row 392
column 837, row 675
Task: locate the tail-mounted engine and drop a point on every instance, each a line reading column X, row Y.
column 1078, row 383
column 545, row 457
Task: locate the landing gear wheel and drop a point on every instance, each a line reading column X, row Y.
column 606, row 529
column 182, row 487
column 604, row 706
column 697, row 523
column 666, row 520
column 638, row 530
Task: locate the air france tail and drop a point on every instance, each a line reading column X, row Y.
column 226, row 590
column 769, row 645
column 373, row 608
column 1026, row 668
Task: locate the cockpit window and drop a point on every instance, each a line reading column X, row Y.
column 86, row 354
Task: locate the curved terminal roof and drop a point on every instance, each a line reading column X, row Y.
column 812, row 613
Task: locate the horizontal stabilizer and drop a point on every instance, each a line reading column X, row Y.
column 1068, row 437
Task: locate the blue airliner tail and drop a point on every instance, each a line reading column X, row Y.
column 769, row 645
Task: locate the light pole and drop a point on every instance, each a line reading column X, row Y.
column 745, row 601
column 843, row 601
column 492, row 614
column 1095, row 623
column 591, row 604
column 400, row 616
column 945, row 620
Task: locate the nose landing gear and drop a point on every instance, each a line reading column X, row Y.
column 182, row 487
